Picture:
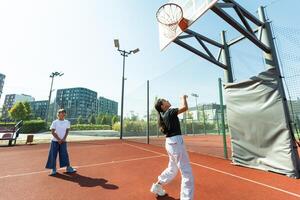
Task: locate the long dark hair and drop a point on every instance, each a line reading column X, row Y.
column 161, row 124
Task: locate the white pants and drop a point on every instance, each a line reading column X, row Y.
column 178, row 159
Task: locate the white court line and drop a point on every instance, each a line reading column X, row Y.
column 141, row 148
column 118, row 161
column 229, row 174
column 82, row 166
column 69, row 148
column 23, row 174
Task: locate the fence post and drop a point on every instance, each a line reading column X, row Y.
column 223, row 119
column 148, row 113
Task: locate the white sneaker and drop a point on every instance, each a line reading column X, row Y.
column 157, row 189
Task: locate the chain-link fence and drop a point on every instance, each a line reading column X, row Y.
column 201, row 124
column 288, row 46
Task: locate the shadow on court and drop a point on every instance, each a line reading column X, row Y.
column 166, row 197
column 85, row 181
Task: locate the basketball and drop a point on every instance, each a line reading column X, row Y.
column 183, row 24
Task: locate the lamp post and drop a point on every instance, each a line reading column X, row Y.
column 196, row 97
column 52, row 76
column 125, row 54
column 197, row 112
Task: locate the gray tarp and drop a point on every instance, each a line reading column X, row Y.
column 260, row 135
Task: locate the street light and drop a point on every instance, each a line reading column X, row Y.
column 197, row 112
column 196, row 97
column 204, row 120
column 52, row 76
column 125, row 54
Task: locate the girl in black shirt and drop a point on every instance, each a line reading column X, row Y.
column 178, row 158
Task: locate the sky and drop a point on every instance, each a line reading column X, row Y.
column 75, row 37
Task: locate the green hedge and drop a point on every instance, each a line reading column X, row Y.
column 36, row 126
column 116, row 126
column 78, row 127
column 33, row 126
column 7, row 123
column 139, row 128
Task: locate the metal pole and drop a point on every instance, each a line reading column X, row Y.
column 204, row 120
column 217, row 118
column 271, row 61
column 50, row 93
column 223, row 119
column 197, row 109
column 148, row 113
column 225, row 55
column 267, row 38
column 193, row 130
column 122, row 95
column 197, row 113
column 184, row 119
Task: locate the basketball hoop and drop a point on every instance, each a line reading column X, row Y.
column 170, row 16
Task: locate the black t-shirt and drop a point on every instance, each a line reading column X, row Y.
column 171, row 121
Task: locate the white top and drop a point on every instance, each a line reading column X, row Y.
column 60, row 127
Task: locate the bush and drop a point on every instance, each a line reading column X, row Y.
column 137, row 128
column 7, row 123
column 116, row 126
column 198, row 127
column 78, row 127
column 134, row 127
column 34, row 126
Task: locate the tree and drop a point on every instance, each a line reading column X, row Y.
column 19, row 112
column 28, row 110
column 190, row 115
column 92, row 119
column 114, row 119
column 99, row 119
column 153, row 115
column 106, row 120
column 80, row 120
column 133, row 116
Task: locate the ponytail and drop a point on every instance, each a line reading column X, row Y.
column 161, row 124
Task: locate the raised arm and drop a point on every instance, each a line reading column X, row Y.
column 184, row 106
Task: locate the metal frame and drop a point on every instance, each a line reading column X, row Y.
column 201, row 39
column 244, row 28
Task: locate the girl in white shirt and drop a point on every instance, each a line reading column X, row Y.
column 59, row 129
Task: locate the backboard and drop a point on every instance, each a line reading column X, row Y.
column 192, row 11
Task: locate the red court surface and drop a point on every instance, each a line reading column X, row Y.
column 114, row 169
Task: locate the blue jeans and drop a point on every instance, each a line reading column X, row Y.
column 55, row 148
